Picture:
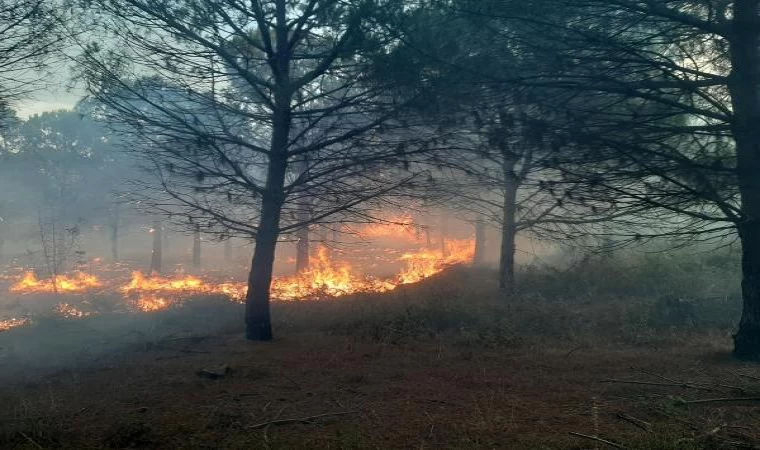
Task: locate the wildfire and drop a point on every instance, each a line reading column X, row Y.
column 426, row 263
column 155, row 292
column 79, row 282
column 325, row 278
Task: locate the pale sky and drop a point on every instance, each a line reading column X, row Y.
column 54, row 91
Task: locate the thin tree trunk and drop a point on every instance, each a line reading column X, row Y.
column 257, row 312
column 508, row 230
column 115, row 235
column 197, row 249
column 304, row 215
column 744, row 86
column 228, row 250
column 480, row 242
column 156, row 255
column 444, row 233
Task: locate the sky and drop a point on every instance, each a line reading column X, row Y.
column 54, row 90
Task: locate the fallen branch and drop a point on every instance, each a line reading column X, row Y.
column 299, row 420
column 597, row 439
column 651, row 383
column 634, row 421
column 32, row 441
column 720, row 400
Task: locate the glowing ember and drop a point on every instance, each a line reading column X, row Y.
column 79, row 282
column 69, row 311
column 7, row 324
column 152, row 302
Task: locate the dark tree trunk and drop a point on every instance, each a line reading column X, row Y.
column 197, row 249
column 304, row 215
column 115, row 240
column 257, row 311
column 744, row 85
column 480, row 242
column 156, row 255
column 228, row 250
column 508, row 230
column 444, row 234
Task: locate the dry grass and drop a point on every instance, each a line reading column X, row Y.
column 446, row 364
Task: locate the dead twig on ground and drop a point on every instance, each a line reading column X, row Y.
column 652, row 383
column 299, row 420
column 722, row 400
column 31, row 441
column 597, row 439
column 634, row 421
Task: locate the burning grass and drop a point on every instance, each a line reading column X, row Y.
column 326, row 278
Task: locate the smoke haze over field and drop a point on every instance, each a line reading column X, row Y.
column 372, row 224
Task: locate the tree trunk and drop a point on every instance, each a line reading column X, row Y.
column 156, row 255
column 115, row 234
column 115, row 240
column 480, row 242
column 228, row 250
column 304, row 215
column 444, row 233
column 257, row 312
column 744, row 85
column 508, row 230
column 197, row 249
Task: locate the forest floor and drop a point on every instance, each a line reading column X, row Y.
column 354, row 382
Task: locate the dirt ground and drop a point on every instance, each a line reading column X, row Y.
column 416, row 395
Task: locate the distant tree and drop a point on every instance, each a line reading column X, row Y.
column 64, row 171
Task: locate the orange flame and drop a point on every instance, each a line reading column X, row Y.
column 325, row 278
column 155, row 293
column 77, row 283
column 426, row 263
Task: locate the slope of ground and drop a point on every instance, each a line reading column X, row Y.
column 440, row 365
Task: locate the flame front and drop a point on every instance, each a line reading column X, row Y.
column 324, row 278
column 79, row 282
column 155, row 292
column 426, row 263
